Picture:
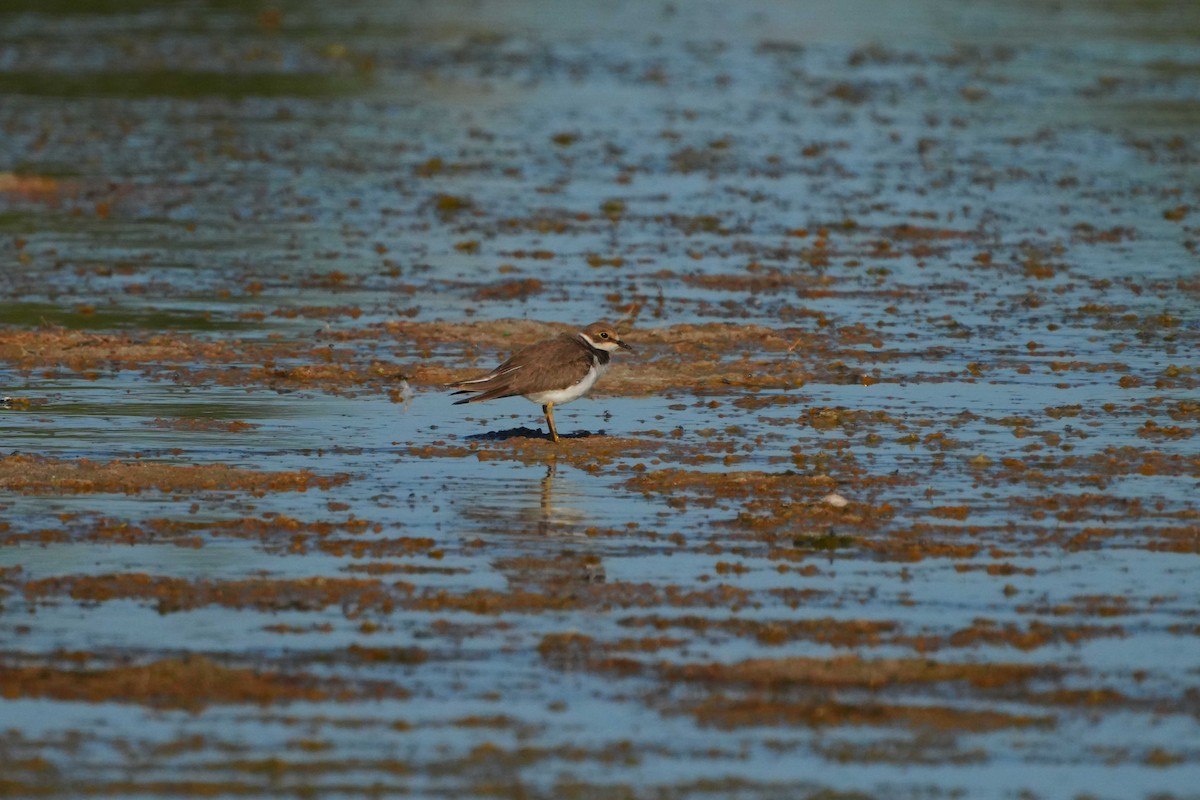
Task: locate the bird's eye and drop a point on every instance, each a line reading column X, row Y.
column 604, row 334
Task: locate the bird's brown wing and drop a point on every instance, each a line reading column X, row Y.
column 552, row 364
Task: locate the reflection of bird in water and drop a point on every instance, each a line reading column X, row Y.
column 516, row 506
column 546, row 507
column 592, row 568
column 551, row 372
column 555, row 512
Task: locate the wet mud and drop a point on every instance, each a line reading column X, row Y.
column 896, row 498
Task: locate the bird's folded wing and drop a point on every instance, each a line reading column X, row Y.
column 542, row 367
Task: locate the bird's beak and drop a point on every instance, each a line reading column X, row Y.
column 624, row 346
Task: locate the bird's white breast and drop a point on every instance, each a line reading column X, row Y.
column 560, row 396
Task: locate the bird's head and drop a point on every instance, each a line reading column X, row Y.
column 603, row 336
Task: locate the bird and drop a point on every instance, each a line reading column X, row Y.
column 550, row 372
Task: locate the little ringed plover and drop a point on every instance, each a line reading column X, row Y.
column 550, row 372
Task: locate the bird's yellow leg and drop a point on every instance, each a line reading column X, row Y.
column 548, row 410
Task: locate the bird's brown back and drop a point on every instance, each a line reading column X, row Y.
column 553, row 364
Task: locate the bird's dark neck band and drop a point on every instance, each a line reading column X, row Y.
column 601, row 357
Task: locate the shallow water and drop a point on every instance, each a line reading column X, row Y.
column 938, row 260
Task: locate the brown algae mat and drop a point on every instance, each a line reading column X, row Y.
column 895, row 497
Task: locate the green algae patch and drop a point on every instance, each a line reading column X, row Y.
column 171, row 595
column 190, row 684
column 45, row 475
column 755, row 711
column 854, row 671
column 177, row 84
